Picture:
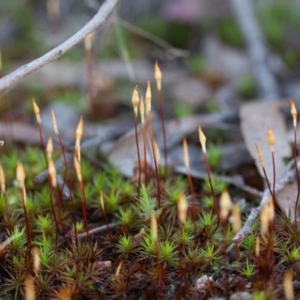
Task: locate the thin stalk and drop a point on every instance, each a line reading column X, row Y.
column 54, row 217
column 162, row 119
column 27, row 226
column 138, row 154
column 84, row 209
column 155, row 162
column 193, row 202
column 297, row 174
column 73, row 208
column 211, row 188
column 145, row 152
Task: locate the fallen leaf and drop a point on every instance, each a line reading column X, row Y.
column 286, row 197
column 256, row 117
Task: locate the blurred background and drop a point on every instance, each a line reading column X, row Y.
column 198, row 44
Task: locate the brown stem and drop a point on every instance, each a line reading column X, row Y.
column 162, row 118
column 138, row 153
column 155, row 162
column 297, row 175
column 211, row 188
column 27, row 226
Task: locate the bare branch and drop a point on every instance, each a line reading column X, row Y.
column 257, row 49
column 29, row 68
column 247, row 227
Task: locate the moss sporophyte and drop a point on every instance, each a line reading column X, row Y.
column 156, row 236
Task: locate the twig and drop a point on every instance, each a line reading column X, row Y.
column 226, row 179
column 97, row 20
column 267, row 86
column 246, row 229
column 94, row 231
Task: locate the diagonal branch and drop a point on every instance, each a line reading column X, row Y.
column 257, row 49
column 29, row 68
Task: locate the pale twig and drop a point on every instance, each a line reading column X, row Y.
column 257, row 49
column 246, row 229
column 12, row 78
column 94, row 230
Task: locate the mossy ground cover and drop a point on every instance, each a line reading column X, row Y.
column 160, row 236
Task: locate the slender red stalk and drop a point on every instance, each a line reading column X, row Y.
column 145, row 152
column 297, row 174
column 138, row 154
column 193, row 202
column 72, row 207
column 211, row 188
column 83, row 197
column 54, row 216
column 84, row 209
column 27, row 226
column 155, row 161
column 187, row 165
column 162, row 119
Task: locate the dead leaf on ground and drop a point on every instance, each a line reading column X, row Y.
column 286, row 197
column 256, row 117
column 124, row 156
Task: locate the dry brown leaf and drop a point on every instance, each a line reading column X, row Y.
column 286, row 197
column 123, row 155
column 256, row 117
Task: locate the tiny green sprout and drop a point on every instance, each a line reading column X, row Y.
column 188, row 226
column 249, row 243
column 167, row 252
column 44, row 224
column 210, row 254
column 219, row 186
column 171, row 201
column 166, row 232
column 31, row 206
column 214, row 156
column 18, row 262
column 19, row 240
column 44, row 198
column 46, row 249
column 183, row 238
column 248, row 270
column 208, row 202
column 206, row 219
column 293, row 256
column 79, row 227
column 112, row 201
column 125, row 245
column 86, row 169
column 193, row 256
column 127, row 189
column 147, row 204
column 126, row 216
column 99, row 181
column 261, row 295
column 148, row 246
